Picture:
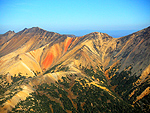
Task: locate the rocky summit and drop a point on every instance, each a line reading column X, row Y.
column 42, row 71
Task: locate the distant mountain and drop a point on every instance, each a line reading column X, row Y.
column 44, row 71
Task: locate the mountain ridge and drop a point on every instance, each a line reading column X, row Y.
column 101, row 60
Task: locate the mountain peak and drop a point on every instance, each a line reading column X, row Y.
column 9, row 32
column 100, row 35
column 35, row 29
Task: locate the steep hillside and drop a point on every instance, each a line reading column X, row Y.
column 48, row 72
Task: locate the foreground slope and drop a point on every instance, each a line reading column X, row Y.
column 91, row 73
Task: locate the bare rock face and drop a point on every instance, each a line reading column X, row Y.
column 34, row 59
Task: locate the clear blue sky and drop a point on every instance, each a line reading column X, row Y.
column 67, row 16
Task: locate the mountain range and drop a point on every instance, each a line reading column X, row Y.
column 42, row 71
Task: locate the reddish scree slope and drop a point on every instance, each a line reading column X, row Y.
column 55, row 52
column 67, row 45
column 48, row 60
